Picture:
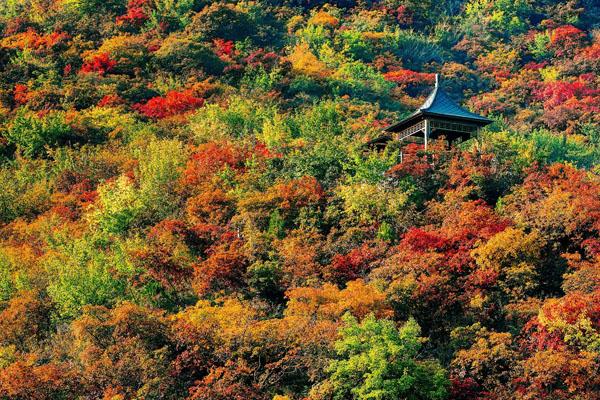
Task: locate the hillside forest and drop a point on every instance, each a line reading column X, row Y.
column 190, row 208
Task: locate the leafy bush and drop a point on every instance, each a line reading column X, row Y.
column 219, row 20
column 83, row 274
column 26, row 191
column 31, row 133
column 413, row 49
column 369, row 203
column 172, row 14
column 240, row 118
column 118, row 206
column 7, row 282
column 377, row 360
column 358, row 80
column 173, row 103
column 179, row 54
column 159, row 167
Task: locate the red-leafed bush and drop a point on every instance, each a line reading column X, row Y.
column 354, row 264
column 110, row 100
column 223, row 48
column 210, row 158
column 408, row 77
column 298, row 192
column 174, row 103
column 535, row 66
column 74, row 194
column 31, row 39
column 420, row 240
column 536, row 337
column 556, row 93
column 404, row 15
column 229, row 382
column 137, row 13
column 101, row 64
column 21, row 94
column 211, row 205
column 262, row 151
column 553, row 328
column 560, row 201
column 565, row 39
column 464, row 389
column 572, row 308
column 162, row 266
column 566, row 103
column 592, row 246
column 414, row 162
column 591, row 53
column 262, row 58
column 225, row 267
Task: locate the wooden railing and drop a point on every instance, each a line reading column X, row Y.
column 411, row 130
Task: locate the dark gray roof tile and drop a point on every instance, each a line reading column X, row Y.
column 440, row 103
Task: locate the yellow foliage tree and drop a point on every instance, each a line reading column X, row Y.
column 305, row 62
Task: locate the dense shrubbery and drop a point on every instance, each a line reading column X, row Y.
column 188, row 208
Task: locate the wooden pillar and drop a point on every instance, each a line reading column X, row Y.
column 427, row 132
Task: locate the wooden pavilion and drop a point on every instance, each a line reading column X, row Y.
column 438, row 116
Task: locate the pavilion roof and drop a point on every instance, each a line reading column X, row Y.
column 441, row 106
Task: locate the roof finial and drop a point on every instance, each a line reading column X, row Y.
column 437, row 80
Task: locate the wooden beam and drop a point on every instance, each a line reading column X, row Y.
column 427, row 132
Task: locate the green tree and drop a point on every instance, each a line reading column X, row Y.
column 83, row 274
column 172, row 13
column 90, row 7
column 180, row 55
column 379, row 361
column 119, row 206
column 159, row 166
column 31, row 133
column 220, row 20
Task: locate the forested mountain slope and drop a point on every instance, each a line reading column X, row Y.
column 188, row 209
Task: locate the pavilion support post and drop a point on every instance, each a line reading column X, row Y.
column 427, row 132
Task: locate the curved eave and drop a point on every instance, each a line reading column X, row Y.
column 420, row 115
